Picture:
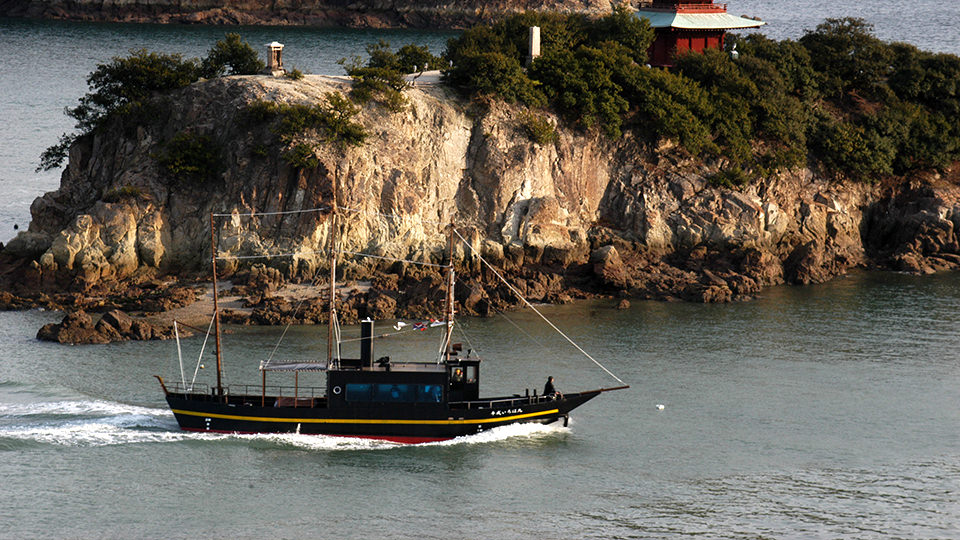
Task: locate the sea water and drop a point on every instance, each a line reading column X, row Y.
column 822, row 411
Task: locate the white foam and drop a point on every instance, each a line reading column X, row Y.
column 86, row 423
column 502, row 433
column 91, row 434
column 321, row 442
column 77, row 408
column 327, row 442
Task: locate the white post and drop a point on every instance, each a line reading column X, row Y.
column 533, row 45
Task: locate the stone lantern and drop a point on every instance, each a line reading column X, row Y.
column 274, row 59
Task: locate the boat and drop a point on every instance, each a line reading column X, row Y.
column 399, row 401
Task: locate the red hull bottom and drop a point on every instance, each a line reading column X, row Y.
column 395, row 439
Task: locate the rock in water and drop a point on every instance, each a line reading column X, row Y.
column 78, row 328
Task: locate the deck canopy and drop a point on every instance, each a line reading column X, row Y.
column 296, row 366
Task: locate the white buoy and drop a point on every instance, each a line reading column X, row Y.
column 660, row 406
column 201, row 366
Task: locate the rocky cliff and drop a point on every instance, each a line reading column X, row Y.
column 579, row 216
column 369, row 14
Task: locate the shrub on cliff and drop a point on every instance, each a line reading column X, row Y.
column 190, row 157
column 123, row 87
column 331, row 121
column 383, row 76
column 537, row 128
column 234, row 53
column 300, row 127
column 120, row 86
column 586, row 84
column 748, row 101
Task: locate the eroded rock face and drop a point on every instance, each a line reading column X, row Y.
column 580, row 216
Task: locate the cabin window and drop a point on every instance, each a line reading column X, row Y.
column 471, row 374
column 358, row 392
column 457, row 375
column 430, row 393
column 395, row 393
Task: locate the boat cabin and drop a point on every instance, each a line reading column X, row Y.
column 425, row 383
column 358, row 381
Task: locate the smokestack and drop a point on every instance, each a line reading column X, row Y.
column 366, row 342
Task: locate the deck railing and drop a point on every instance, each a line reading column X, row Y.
column 250, row 393
column 501, row 403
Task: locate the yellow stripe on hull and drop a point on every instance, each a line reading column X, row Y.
column 365, row 420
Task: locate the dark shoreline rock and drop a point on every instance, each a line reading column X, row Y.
column 78, row 328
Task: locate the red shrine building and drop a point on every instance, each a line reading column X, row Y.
column 688, row 25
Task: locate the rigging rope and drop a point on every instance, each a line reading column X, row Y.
column 535, row 310
column 176, row 332
column 202, row 347
column 396, row 216
column 393, row 259
column 336, row 334
column 291, row 254
column 278, row 213
column 385, row 335
column 268, row 256
column 522, row 331
column 313, row 282
column 466, row 338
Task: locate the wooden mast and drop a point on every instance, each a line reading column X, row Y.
column 333, row 272
column 216, row 308
column 448, row 312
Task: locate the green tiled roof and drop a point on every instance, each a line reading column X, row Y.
column 697, row 21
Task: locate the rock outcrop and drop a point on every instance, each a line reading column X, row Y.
column 581, row 216
column 79, row 328
column 379, row 14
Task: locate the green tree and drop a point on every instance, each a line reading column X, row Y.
column 851, row 150
column 586, row 84
column 623, row 27
column 122, row 86
column 848, row 57
column 233, row 53
column 383, row 76
column 495, row 74
column 127, row 80
column 413, row 59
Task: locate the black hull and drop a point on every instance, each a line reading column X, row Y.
column 398, row 423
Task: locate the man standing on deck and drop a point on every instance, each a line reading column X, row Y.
column 550, row 390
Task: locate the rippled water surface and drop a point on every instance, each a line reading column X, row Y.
column 827, row 411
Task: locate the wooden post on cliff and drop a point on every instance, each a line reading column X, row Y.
column 216, row 308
